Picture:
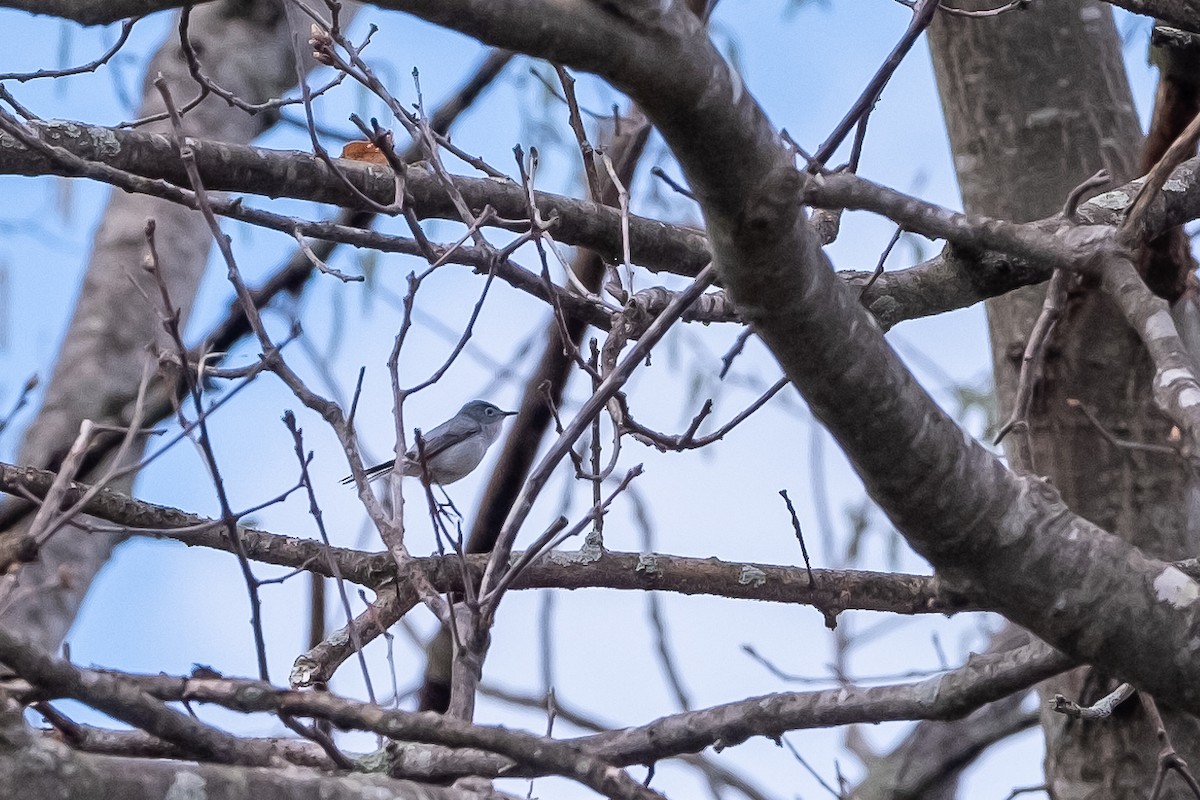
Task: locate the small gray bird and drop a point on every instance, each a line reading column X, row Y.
column 452, row 449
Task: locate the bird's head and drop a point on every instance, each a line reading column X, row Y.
column 484, row 412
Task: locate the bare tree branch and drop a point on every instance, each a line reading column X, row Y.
column 43, row 767
column 958, row 277
column 950, row 695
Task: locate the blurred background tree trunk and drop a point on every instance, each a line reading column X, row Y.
column 245, row 47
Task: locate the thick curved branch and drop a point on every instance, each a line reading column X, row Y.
column 1179, row 13
column 1008, row 540
column 948, row 696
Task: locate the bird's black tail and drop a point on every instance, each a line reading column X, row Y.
column 377, row 471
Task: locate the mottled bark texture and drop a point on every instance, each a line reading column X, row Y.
column 246, row 48
column 1035, row 103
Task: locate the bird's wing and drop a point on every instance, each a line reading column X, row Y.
column 451, row 432
column 442, row 438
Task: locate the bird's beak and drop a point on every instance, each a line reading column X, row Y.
column 509, row 413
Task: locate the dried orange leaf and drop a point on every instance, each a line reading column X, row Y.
column 364, row 151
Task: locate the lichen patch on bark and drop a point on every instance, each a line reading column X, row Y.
column 1174, row 587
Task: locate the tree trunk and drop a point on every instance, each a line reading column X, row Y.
column 1035, row 103
column 247, row 49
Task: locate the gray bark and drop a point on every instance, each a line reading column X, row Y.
column 1036, row 102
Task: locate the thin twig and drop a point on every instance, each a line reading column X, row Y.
column 612, row 383
column 1033, row 359
column 1168, row 757
column 923, row 13
column 812, row 581
column 314, row 509
column 586, row 151
column 170, row 317
column 1131, row 231
column 91, row 66
column 883, row 257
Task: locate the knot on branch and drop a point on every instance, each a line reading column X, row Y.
column 771, row 206
column 1090, row 248
column 16, row 549
column 645, row 306
column 631, row 322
